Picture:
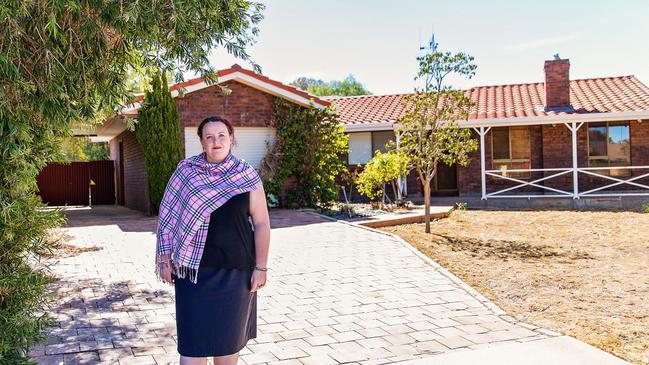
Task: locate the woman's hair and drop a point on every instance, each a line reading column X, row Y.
column 215, row 118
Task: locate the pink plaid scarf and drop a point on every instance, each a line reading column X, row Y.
column 195, row 190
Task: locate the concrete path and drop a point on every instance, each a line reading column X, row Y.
column 562, row 350
column 336, row 294
column 405, row 217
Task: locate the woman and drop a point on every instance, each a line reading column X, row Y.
column 212, row 245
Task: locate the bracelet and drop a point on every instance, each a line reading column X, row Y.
column 163, row 263
column 264, row 269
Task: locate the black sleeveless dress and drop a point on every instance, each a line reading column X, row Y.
column 218, row 315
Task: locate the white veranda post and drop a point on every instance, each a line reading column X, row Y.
column 573, row 127
column 401, row 181
column 482, row 132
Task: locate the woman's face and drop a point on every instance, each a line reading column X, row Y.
column 216, row 141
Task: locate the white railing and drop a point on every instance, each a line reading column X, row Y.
column 629, row 181
column 550, row 192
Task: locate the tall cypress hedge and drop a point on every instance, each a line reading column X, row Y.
column 158, row 131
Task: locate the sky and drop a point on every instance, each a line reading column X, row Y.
column 378, row 41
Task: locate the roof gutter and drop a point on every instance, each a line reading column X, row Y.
column 554, row 119
column 368, row 127
column 517, row 121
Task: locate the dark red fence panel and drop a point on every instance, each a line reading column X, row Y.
column 69, row 184
column 77, row 174
column 102, row 173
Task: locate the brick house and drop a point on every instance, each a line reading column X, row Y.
column 560, row 138
column 248, row 105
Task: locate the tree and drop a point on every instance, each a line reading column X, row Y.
column 72, row 149
column 80, row 148
column 96, row 151
column 428, row 130
column 382, row 169
column 304, row 83
column 158, row 131
column 62, row 62
column 346, row 87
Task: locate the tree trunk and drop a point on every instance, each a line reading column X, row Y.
column 427, row 205
column 397, row 196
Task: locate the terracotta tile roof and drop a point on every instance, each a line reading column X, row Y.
column 368, row 108
column 598, row 95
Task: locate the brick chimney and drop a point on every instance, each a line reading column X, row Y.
column 557, row 83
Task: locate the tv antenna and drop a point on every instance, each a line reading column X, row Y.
column 427, row 50
column 430, row 48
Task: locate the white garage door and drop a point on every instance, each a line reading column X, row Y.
column 251, row 143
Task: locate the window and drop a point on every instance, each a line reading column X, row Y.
column 510, row 150
column 363, row 144
column 360, row 148
column 608, row 145
column 380, row 139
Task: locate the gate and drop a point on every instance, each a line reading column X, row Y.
column 72, row 184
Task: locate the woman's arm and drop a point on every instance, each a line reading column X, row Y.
column 261, row 222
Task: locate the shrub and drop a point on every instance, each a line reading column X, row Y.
column 308, row 148
column 23, row 245
column 645, row 208
column 383, row 168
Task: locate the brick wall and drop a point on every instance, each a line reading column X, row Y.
column 244, row 106
column 640, row 149
column 557, row 153
column 136, row 182
column 640, row 144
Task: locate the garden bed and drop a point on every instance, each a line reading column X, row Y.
column 584, row 274
column 362, row 210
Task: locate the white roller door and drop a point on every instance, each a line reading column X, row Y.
column 251, row 143
column 360, row 148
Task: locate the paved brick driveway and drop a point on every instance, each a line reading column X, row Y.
column 336, row 294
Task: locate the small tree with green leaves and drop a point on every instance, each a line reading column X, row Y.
column 382, row 169
column 428, row 130
column 158, row 131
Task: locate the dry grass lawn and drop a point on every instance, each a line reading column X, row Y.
column 61, row 248
column 584, row 274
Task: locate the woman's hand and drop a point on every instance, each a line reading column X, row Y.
column 258, row 280
column 165, row 273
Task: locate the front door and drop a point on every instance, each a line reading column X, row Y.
column 445, row 182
